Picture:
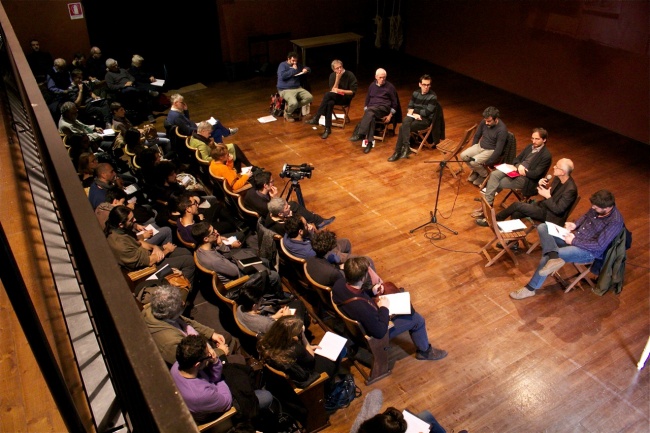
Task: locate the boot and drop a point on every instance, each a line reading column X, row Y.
column 406, row 150
column 396, row 155
column 326, row 133
column 313, row 120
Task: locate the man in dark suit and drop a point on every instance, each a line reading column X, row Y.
column 558, row 198
column 530, row 165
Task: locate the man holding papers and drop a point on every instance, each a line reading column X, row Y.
column 558, row 197
column 587, row 240
column 372, row 310
column 528, row 168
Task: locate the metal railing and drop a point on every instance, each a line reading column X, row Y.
column 145, row 392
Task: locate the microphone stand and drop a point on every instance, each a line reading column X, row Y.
column 434, row 218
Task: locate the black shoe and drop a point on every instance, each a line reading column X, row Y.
column 312, row 121
column 368, row 147
column 356, row 137
column 326, row 222
column 394, row 157
column 326, row 133
column 405, row 152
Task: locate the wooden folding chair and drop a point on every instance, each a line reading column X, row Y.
column 377, row 348
column 312, row 398
column 421, row 137
column 219, row 425
column 504, row 238
column 450, row 150
column 381, row 129
column 342, row 115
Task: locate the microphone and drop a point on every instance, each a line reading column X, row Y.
column 548, row 180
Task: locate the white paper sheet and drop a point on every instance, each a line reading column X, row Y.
column 331, row 346
column 158, row 83
column 415, row 424
column 399, row 303
column 149, row 227
column 266, row 119
column 556, row 230
column 511, row 225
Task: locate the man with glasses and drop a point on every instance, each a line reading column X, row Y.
column 179, row 116
column 586, row 240
column 421, row 109
column 559, row 195
column 343, row 86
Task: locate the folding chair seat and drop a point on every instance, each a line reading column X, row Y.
column 450, row 150
column 306, row 405
column 506, row 239
column 382, row 129
column 377, row 348
column 427, row 137
column 342, row 115
column 222, row 424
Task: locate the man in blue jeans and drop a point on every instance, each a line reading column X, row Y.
column 587, row 240
column 360, row 305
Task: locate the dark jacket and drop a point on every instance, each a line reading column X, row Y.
column 563, row 195
column 537, row 168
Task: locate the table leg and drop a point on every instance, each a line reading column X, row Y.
column 358, row 49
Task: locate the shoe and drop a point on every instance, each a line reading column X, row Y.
column 477, row 214
column 478, row 181
column 288, row 117
column 472, row 176
column 431, row 354
column 326, row 133
column 406, row 151
column 394, row 157
column 551, row 266
column 312, row 121
column 151, row 119
column 482, row 222
column 233, row 131
column 326, row 222
column 369, row 145
column 355, row 137
column 522, row 293
column 513, row 246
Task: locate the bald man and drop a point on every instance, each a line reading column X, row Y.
column 558, row 197
column 381, row 103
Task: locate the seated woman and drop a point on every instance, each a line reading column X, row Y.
column 259, row 318
column 86, row 168
column 286, row 348
column 222, row 166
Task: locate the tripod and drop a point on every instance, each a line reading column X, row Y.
column 434, row 218
column 295, row 186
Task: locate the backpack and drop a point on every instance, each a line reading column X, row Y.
column 342, row 393
column 277, row 105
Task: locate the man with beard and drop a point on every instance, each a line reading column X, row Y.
column 587, row 240
column 297, row 241
column 489, row 141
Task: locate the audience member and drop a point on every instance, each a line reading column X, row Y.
column 297, row 241
column 59, row 80
column 79, row 62
column 87, row 165
column 319, row 268
column 93, row 108
column 39, row 61
column 421, row 109
column 105, row 180
column 137, row 71
column 69, row 125
column 264, row 189
column 179, row 116
column 134, row 255
column 587, row 240
column 290, row 87
column 96, row 68
column 190, row 213
column 372, row 311
column 222, row 167
column 343, row 86
column 489, row 142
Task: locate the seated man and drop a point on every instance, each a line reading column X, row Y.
column 138, row 96
column 381, row 103
column 90, row 105
column 197, row 373
column 190, row 211
column 489, row 141
column 558, row 198
column 532, row 164
column 290, row 88
column 588, row 240
column 179, row 116
column 343, row 86
column 372, row 311
column 132, row 254
column 168, row 327
column 212, row 253
column 297, row 241
column 70, row 125
column 421, row 109
column 105, row 181
column 319, row 268
column 264, row 190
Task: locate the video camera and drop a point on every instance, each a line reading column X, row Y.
column 296, row 172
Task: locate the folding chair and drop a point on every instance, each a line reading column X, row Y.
column 219, row 425
column 508, row 155
column 450, row 150
column 377, row 348
column 423, row 137
column 504, row 238
column 342, row 115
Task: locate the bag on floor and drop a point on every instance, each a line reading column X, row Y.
column 277, row 105
column 342, row 393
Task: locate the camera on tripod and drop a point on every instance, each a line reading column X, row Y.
column 296, row 172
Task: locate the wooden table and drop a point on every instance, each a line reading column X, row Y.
column 322, row 41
